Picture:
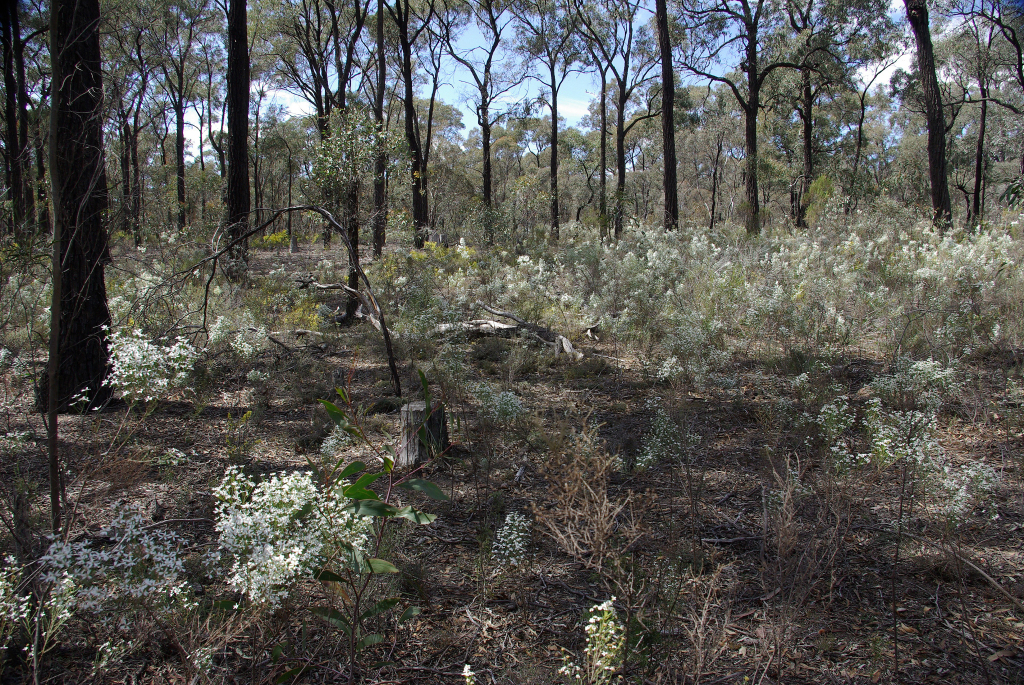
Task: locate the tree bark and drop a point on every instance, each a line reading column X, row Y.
column 179, row 157
column 917, row 14
column 554, row 158
column 603, row 201
column 238, row 197
column 753, row 200
column 79, row 192
column 979, row 158
column 807, row 119
column 620, row 160
column 381, row 162
column 15, row 144
column 668, row 128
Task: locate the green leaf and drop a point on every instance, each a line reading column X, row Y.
column 302, row 513
column 327, row 576
column 409, row 613
column 352, row 469
column 291, row 674
column 343, row 394
column 416, row 516
column 426, row 487
column 336, row 414
column 225, row 604
column 379, row 608
column 381, row 566
column 334, row 617
column 383, row 664
column 372, row 507
column 369, row 640
column 277, row 651
column 352, row 492
column 389, row 464
column 366, row 479
column 426, row 388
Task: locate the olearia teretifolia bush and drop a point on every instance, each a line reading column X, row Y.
column 512, row 541
column 686, row 299
column 602, row 656
column 143, row 370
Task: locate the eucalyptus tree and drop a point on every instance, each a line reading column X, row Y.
column 16, row 116
column 490, row 79
column 130, row 73
column 546, row 34
column 668, row 124
column 628, row 48
column 174, row 37
column 917, row 15
column 237, row 196
column 735, row 43
column 412, row 21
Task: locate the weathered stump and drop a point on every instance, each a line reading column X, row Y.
column 418, row 447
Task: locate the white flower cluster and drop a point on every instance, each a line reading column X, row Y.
column 142, row 565
column 834, row 420
column 512, row 540
column 280, row 529
column 920, row 384
column 501, row 408
column 14, row 607
column 606, row 640
column 468, row 675
column 142, row 370
column 954, row 490
column 335, row 443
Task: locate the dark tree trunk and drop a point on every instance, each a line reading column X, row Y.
column 668, row 128
column 807, row 120
column 917, row 14
column 753, row 200
column 554, row 159
column 620, row 160
column 179, row 157
column 79, row 192
column 603, row 200
column 420, row 206
column 352, row 229
column 979, row 160
column 714, row 182
column 380, row 163
column 238, row 198
column 15, row 144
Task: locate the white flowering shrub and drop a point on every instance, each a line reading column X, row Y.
column 142, row 370
column 14, row 606
column 281, row 529
column 920, row 384
column 663, row 440
column 498, row 407
column 953, row 490
column 142, row 571
column 602, row 656
column 468, row 675
column 834, row 420
column 512, row 540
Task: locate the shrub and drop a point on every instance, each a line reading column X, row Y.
column 602, row 656
column 143, row 371
column 512, row 540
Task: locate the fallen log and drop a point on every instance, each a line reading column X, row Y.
column 542, row 334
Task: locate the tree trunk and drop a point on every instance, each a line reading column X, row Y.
column 620, row 159
column 917, row 14
column 351, row 222
column 485, row 138
column 807, row 118
column 79, row 192
column 979, row 159
column 381, row 162
column 554, row 158
column 753, row 200
column 238, row 198
column 714, row 182
column 603, row 201
column 16, row 167
column 179, row 156
column 668, row 128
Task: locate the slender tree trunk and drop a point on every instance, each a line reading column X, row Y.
column 238, row 197
column 603, row 198
column 16, row 167
column 807, row 119
column 352, row 228
column 420, row 205
column 668, row 127
column 41, row 195
column 79, row 195
column 620, row 160
column 979, row 159
column 714, row 182
column 126, row 172
column 380, row 217
column 917, row 14
column 753, row 200
column 485, row 137
column 179, row 156
column 554, row 160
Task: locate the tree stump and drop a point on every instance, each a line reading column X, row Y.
column 417, row 448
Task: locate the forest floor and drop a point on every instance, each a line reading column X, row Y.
column 715, row 586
